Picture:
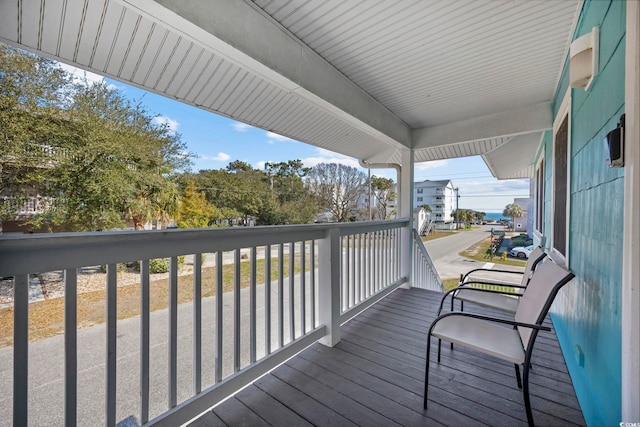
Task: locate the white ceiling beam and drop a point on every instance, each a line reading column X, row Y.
column 243, row 34
column 532, row 118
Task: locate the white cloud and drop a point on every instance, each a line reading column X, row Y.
column 81, row 75
column 241, row 127
column 276, row 137
column 220, row 157
column 260, row 164
column 326, row 156
column 422, row 166
column 171, row 124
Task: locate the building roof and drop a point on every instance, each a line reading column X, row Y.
column 431, row 183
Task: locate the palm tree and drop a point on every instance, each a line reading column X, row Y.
column 513, row 211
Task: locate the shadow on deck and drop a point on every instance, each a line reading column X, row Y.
column 375, row 376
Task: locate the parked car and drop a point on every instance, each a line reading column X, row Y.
column 521, row 240
column 522, row 251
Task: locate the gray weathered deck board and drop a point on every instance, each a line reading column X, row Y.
column 375, row 376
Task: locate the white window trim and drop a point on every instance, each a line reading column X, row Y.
column 541, row 160
column 631, row 250
column 564, row 110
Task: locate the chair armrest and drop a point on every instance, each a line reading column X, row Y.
column 468, row 288
column 489, row 319
column 492, row 270
column 489, row 270
column 506, row 285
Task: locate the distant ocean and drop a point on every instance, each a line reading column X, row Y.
column 494, row 216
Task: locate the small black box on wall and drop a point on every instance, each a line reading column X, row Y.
column 614, row 146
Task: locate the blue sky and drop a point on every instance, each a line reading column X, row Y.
column 216, row 140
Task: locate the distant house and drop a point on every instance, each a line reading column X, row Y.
column 441, row 198
column 525, row 222
column 17, row 211
column 421, row 220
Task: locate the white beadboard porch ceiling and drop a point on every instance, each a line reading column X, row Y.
column 367, row 79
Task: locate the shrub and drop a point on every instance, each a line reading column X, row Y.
column 160, row 265
column 121, row 266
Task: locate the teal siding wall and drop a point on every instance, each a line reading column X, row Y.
column 587, row 314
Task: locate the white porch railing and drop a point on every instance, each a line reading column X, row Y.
column 321, row 275
column 25, row 207
column 425, row 275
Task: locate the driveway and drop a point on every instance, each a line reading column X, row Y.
column 444, row 253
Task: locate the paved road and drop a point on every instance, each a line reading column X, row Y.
column 444, row 253
column 46, row 365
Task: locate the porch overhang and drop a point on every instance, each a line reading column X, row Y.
column 365, row 80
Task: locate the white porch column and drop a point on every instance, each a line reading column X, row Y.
column 405, row 210
column 631, row 248
column 329, row 286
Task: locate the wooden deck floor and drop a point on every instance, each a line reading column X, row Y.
column 374, row 377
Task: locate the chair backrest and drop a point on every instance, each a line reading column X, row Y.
column 535, row 258
column 546, row 281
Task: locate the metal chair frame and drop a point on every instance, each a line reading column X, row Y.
column 524, row 310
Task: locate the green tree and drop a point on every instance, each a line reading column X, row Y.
column 237, row 189
column 120, row 165
column 98, row 158
column 285, row 179
column 289, row 201
column 276, row 195
column 479, row 216
column 384, row 192
column 513, row 211
column 32, row 92
column 195, row 211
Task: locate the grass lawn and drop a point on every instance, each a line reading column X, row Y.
column 437, row 234
column 478, row 252
column 46, row 318
column 450, row 283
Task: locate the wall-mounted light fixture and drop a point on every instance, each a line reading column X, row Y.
column 583, row 59
column 614, row 146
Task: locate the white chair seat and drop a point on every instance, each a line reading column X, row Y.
column 487, row 337
column 501, row 302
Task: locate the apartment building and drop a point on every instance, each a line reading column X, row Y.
column 441, row 198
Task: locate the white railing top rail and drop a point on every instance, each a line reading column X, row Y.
column 426, row 258
column 25, row 254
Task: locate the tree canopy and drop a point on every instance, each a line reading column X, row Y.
column 384, row 192
column 338, row 187
column 99, row 158
column 276, row 195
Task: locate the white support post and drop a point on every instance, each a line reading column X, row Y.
column 405, row 210
column 631, row 248
column 329, row 286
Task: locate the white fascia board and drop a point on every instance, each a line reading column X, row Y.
column 241, row 33
column 532, row 118
column 515, row 157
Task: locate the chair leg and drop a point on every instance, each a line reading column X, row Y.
column 525, row 392
column 518, row 375
column 461, row 309
column 439, row 348
column 426, row 372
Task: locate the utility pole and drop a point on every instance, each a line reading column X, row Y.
column 457, row 209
